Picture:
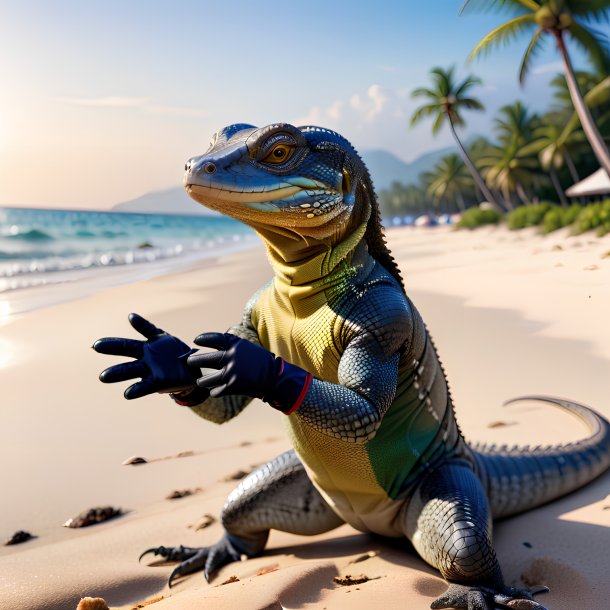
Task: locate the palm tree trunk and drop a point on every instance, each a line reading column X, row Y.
column 473, row 170
column 588, row 125
column 521, row 193
column 460, row 201
column 570, row 163
column 557, row 185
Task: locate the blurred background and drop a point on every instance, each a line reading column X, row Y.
column 451, row 104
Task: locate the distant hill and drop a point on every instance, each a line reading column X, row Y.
column 384, row 166
column 169, row 201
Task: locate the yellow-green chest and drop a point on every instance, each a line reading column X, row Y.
column 303, row 329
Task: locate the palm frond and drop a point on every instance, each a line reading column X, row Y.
column 534, row 47
column 424, row 111
column 503, row 34
column 486, row 5
column 467, row 83
column 423, row 92
column 438, row 122
column 594, row 10
column 471, row 103
column 594, row 44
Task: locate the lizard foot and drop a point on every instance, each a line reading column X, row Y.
column 207, row 558
column 484, row 598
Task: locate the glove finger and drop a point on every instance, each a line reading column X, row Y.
column 216, row 340
column 143, row 326
column 211, row 380
column 218, row 391
column 137, row 390
column 123, row 372
column 213, row 360
column 117, row 346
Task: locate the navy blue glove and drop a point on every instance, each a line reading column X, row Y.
column 246, row 369
column 161, row 362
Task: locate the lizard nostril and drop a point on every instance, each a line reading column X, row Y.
column 209, row 168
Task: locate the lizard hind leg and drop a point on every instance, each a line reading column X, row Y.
column 278, row 495
column 449, row 523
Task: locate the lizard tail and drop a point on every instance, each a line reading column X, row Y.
column 520, row 478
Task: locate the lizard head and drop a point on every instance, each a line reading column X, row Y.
column 281, row 176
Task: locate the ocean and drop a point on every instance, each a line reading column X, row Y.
column 49, row 256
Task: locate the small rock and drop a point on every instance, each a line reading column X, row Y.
column 134, row 460
column 93, row 516
column 268, row 569
column 500, row 424
column 349, row 580
column 92, row 603
column 364, row 557
column 18, row 538
column 230, row 580
column 606, row 254
column 204, row 522
column 182, row 454
column 557, row 248
column 182, row 493
column 236, row 476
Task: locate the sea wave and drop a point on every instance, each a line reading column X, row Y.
column 35, row 235
column 37, row 244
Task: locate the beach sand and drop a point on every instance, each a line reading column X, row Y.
column 512, row 313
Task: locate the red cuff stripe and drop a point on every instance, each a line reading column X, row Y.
column 301, row 397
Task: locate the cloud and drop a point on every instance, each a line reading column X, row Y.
column 111, row 101
column 379, row 117
column 555, row 66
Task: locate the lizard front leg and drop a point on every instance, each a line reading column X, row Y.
column 278, row 495
column 449, row 523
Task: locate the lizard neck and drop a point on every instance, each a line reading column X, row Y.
column 307, row 266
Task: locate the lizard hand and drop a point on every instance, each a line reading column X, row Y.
column 160, row 361
column 244, row 368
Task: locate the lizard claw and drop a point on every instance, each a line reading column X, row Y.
column 484, row 598
column 170, row 553
column 209, row 558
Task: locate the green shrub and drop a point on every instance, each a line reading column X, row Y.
column 557, row 218
column 528, row 215
column 476, row 217
column 594, row 216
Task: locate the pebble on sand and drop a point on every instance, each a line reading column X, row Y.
column 134, row 460
column 93, row 516
column 18, row 538
column 92, row 603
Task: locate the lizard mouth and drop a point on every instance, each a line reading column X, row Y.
column 263, row 196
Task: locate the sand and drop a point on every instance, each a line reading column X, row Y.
column 511, row 313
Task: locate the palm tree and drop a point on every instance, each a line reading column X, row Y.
column 515, row 124
column 561, row 94
column 449, row 180
column 552, row 143
column 509, row 169
column 446, row 99
column 558, row 18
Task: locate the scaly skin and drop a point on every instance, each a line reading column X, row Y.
column 375, row 439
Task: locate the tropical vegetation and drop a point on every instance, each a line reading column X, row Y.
column 528, row 161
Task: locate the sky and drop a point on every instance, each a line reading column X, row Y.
column 103, row 101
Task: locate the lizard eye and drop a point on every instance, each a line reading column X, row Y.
column 279, row 153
